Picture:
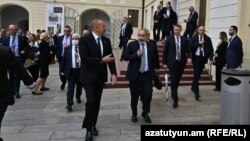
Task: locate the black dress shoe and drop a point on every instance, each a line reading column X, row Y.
column 78, row 100
column 37, row 93
column 217, row 90
column 44, row 89
column 17, row 96
column 197, row 97
column 89, row 136
column 147, row 119
column 134, row 118
column 195, row 92
column 63, row 86
column 1, row 139
column 175, row 105
column 69, row 108
column 95, row 131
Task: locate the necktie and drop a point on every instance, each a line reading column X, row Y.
column 13, row 46
column 178, row 49
column 65, row 43
column 201, row 52
column 77, row 59
column 143, row 59
column 99, row 45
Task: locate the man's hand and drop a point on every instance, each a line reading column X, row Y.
column 108, row 58
column 165, row 67
column 22, row 52
column 210, row 62
column 113, row 79
column 139, row 53
column 189, row 60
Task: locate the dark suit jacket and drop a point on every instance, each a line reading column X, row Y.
column 169, row 53
column 67, row 61
column 8, row 62
column 157, row 62
column 193, row 20
column 173, row 16
column 22, row 44
column 234, row 55
column 208, row 46
column 91, row 59
column 59, row 46
column 158, row 16
column 221, row 51
column 135, row 61
column 128, row 30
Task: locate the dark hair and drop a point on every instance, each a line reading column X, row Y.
column 235, row 28
column 38, row 30
column 67, row 26
column 223, row 36
column 178, row 25
column 169, row 3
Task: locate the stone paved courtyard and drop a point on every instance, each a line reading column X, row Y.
column 44, row 118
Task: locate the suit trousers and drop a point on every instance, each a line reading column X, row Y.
column 123, row 45
column 62, row 77
column 198, row 65
column 73, row 80
column 15, row 80
column 218, row 69
column 156, row 31
column 175, row 76
column 93, row 92
column 189, row 31
column 3, row 109
column 143, row 87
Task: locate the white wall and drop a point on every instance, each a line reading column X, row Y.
column 222, row 15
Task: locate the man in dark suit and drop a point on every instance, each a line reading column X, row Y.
column 96, row 54
column 191, row 23
column 202, row 50
column 169, row 18
column 8, row 62
column 175, row 55
column 63, row 42
column 125, row 35
column 18, row 44
column 157, row 23
column 141, row 69
column 234, row 55
column 71, row 64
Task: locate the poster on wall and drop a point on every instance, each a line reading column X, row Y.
column 55, row 18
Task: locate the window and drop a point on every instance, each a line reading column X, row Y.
column 133, row 16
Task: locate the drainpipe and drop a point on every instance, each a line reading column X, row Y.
column 142, row 18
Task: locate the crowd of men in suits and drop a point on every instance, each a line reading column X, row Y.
column 83, row 61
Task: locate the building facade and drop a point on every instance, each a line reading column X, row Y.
column 31, row 14
column 216, row 15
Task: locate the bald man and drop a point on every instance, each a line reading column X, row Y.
column 96, row 54
column 17, row 43
column 85, row 32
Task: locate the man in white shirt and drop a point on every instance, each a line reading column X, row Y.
column 71, row 64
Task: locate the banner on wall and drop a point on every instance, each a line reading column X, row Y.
column 55, row 18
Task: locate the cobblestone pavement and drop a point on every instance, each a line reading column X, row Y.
column 44, row 118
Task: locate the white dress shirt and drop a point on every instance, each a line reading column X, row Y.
column 65, row 43
column 96, row 39
column 74, row 57
column 197, row 53
column 179, row 44
column 146, row 56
